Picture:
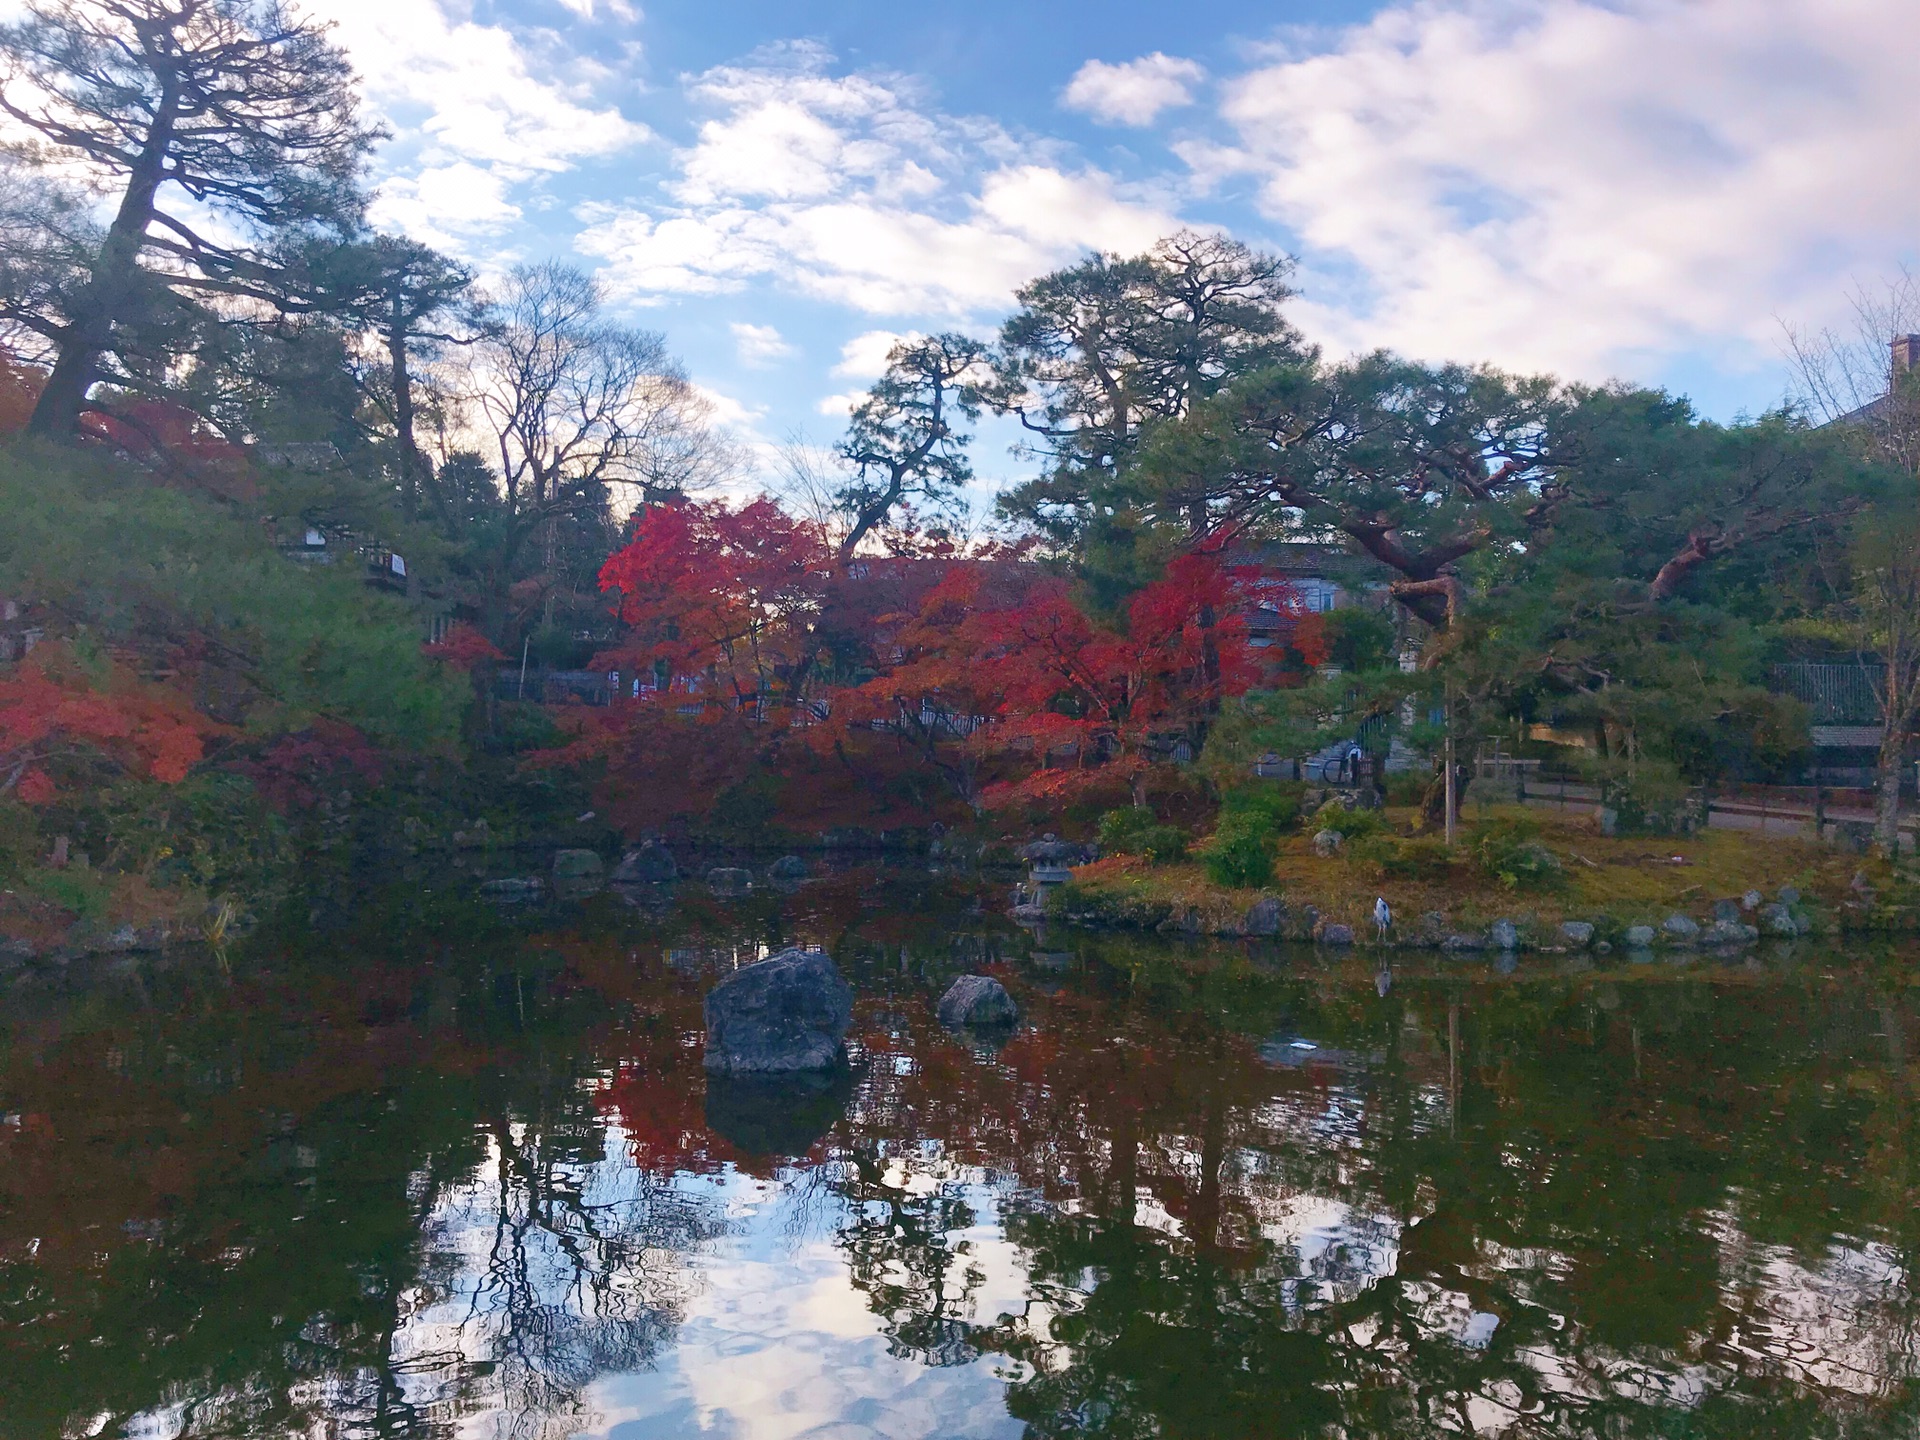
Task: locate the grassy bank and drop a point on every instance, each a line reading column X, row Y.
column 1611, row 882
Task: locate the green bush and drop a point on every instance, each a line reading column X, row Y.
column 1240, row 854
column 1510, row 851
column 20, row 843
column 1353, row 824
column 1276, row 806
column 1396, row 858
column 1135, row 831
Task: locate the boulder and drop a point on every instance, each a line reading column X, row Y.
column 1327, row 843
column 1680, row 929
column 1332, row 932
column 1638, row 937
column 1504, row 934
column 729, row 880
column 977, row 1000
column 515, row 891
column 1456, row 943
column 577, row 865
column 1776, row 919
column 1577, row 932
column 787, row 870
column 1264, row 917
column 785, row 1014
column 1731, row 932
column 651, row 864
column 1726, row 912
column 1751, row 900
column 1789, row 896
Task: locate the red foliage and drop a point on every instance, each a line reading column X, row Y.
column 20, row 387
column 463, row 647
column 176, row 441
column 50, row 712
column 724, row 600
column 297, row 769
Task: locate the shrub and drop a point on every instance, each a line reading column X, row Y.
column 1240, row 854
column 1135, row 831
column 1510, row 851
column 1395, row 858
column 1275, row 806
column 1353, row 824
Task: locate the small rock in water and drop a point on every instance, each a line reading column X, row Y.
column 1264, row 917
column 729, row 880
column 787, row 870
column 1578, row 932
column 651, row 864
column 577, row 865
column 1680, row 929
column 1505, row 935
column 789, row 1012
column 1732, row 932
column 1332, row 932
column 977, row 1000
column 1638, row 937
column 1751, row 900
column 1327, row 843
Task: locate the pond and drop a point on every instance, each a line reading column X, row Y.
column 405, row 1169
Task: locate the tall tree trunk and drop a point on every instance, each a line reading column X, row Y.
column 412, row 468
column 103, row 300
column 1886, row 789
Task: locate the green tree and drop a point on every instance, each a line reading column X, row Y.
column 232, row 108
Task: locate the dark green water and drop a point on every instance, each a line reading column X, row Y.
column 418, row 1174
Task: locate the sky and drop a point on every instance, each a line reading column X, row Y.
column 1638, row 189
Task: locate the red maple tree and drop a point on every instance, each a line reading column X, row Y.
column 53, row 713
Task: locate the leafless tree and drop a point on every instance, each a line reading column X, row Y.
column 1864, row 374
column 579, row 409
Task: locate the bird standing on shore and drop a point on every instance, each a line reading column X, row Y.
column 1382, row 917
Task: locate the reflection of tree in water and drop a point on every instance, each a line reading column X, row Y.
column 1521, row 1211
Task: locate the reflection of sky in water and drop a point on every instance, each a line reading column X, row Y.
column 778, row 1343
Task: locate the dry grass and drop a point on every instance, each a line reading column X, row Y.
column 1632, row 879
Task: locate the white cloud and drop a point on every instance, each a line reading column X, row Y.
column 840, row 405
column 471, row 101
column 864, row 357
column 1583, row 184
column 758, row 345
column 845, row 189
column 1135, row 92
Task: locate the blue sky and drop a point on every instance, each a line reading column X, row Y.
column 1637, row 188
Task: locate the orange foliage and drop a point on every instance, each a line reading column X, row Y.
column 50, row 713
column 174, row 439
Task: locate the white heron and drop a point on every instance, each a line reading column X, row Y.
column 1382, row 916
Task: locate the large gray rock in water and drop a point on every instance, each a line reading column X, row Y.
column 651, row 864
column 1731, row 932
column 1680, row 929
column 1638, row 937
column 1577, row 932
column 1332, row 932
column 1504, row 934
column 785, row 1014
column 977, row 1000
column 1264, row 917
